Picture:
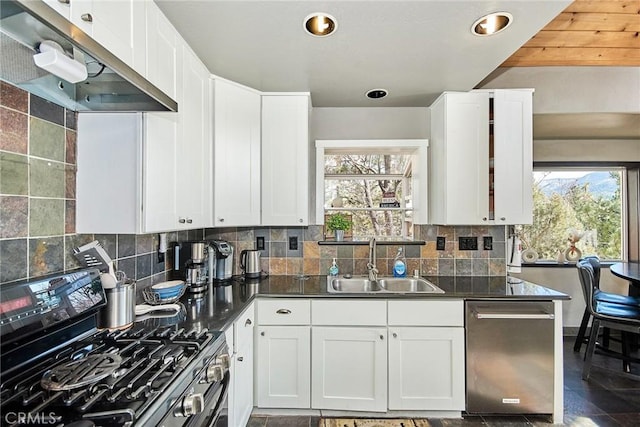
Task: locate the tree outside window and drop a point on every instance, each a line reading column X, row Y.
column 584, row 203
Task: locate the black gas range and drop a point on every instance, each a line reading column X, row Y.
column 59, row 370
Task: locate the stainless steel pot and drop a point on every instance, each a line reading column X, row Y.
column 121, row 305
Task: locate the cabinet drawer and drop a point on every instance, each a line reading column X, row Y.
column 426, row 313
column 349, row 312
column 280, row 311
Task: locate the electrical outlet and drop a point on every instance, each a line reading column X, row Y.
column 468, row 243
column 487, row 243
column 260, row 243
column 293, row 243
column 440, row 242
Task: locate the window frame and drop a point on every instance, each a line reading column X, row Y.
column 415, row 147
column 591, row 166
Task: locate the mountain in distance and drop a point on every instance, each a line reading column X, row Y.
column 600, row 184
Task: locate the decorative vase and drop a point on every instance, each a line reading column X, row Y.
column 339, row 235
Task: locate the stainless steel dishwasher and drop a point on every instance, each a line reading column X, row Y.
column 509, row 357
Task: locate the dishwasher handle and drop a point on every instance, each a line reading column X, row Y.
column 515, row 316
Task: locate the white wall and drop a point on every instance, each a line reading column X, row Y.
column 574, row 89
column 370, row 123
column 566, row 280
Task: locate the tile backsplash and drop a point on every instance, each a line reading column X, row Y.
column 37, row 217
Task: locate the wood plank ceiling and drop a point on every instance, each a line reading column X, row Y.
column 587, row 33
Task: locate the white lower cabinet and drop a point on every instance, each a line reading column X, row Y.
column 349, row 368
column 426, row 368
column 368, row 355
column 283, row 363
column 283, row 353
column 240, row 341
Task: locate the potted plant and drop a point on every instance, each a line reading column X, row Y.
column 338, row 223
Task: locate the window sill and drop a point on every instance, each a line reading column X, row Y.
column 366, row 242
column 552, row 264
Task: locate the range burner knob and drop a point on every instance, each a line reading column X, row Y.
column 224, row 360
column 191, row 404
column 215, row 372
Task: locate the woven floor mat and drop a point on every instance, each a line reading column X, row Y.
column 368, row 422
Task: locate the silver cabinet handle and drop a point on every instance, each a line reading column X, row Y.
column 283, row 311
column 381, row 336
column 395, row 335
column 86, row 17
column 240, row 359
column 262, row 333
column 63, row 1
column 182, row 220
column 484, row 218
column 247, row 323
column 514, row 316
column 189, row 220
column 221, row 219
column 301, row 220
column 503, row 219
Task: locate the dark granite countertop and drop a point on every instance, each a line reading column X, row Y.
column 221, row 305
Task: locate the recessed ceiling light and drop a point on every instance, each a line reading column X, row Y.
column 377, row 93
column 491, row 24
column 320, row 24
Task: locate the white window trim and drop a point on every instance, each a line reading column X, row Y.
column 415, row 147
column 623, row 196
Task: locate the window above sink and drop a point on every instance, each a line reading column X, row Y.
column 380, row 184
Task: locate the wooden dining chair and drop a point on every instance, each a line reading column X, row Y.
column 624, row 318
column 601, row 296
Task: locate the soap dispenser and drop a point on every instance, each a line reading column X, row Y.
column 333, row 270
column 399, row 264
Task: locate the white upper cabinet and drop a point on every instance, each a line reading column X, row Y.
column 285, row 159
column 161, row 178
column 62, row 7
column 117, row 25
column 162, row 42
column 236, row 156
column 480, row 166
column 126, row 179
column 194, row 141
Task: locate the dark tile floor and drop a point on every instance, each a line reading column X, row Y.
column 609, row 398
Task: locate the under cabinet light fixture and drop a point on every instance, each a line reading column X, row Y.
column 53, row 59
column 492, row 23
column 320, row 24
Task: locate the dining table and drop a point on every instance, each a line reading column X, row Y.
column 629, row 271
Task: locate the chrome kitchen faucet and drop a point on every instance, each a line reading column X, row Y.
column 371, row 265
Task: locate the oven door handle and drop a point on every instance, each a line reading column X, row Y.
column 221, row 401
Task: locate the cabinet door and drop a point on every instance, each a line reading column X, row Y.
column 426, row 368
column 349, row 368
column 513, row 156
column 467, row 158
column 61, row 7
column 162, row 50
column 285, row 160
column 243, row 381
column 283, row 367
column 117, row 25
column 194, row 143
column 236, row 155
column 159, row 175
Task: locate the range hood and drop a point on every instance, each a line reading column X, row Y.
column 111, row 86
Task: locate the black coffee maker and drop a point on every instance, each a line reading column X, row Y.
column 192, row 263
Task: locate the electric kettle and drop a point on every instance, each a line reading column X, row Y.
column 250, row 263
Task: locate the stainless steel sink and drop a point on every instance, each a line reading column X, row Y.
column 408, row 285
column 351, row 285
column 399, row 285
